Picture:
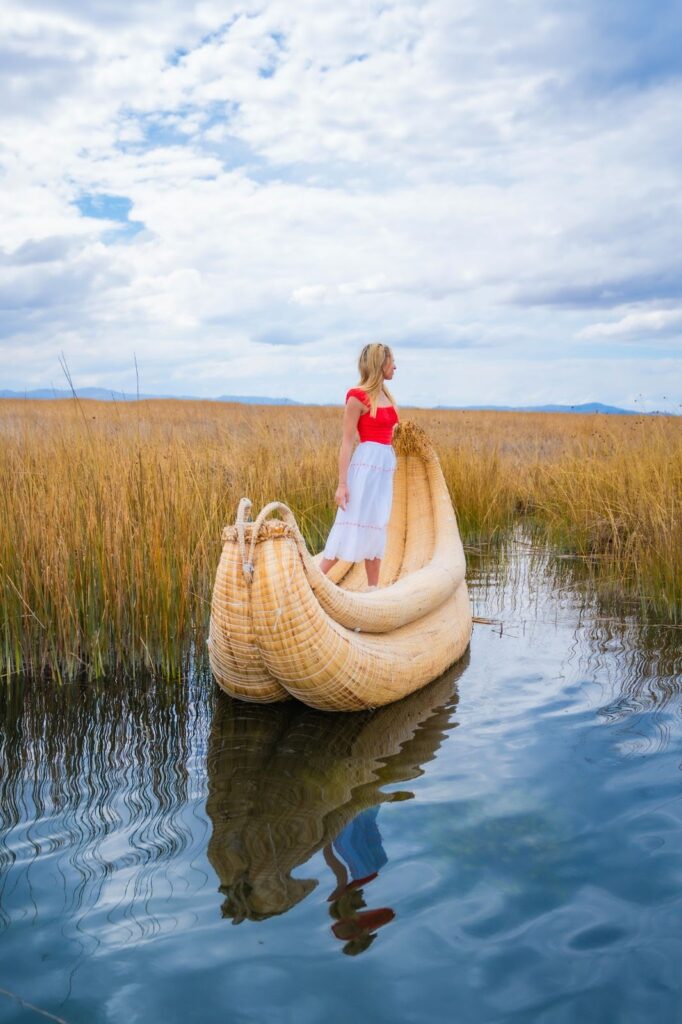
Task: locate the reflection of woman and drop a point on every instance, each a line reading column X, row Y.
column 285, row 782
column 359, row 845
column 357, row 852
column 357, row 927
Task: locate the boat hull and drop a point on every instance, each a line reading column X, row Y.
column 280, row 628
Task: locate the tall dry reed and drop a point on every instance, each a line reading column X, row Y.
column 110, row 514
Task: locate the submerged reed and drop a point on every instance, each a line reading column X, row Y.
column 111, row 515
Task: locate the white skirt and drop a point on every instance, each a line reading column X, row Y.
column 359, row 530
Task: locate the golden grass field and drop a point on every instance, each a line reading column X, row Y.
column 111, row 515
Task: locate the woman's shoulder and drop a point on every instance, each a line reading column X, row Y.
column 359, row 394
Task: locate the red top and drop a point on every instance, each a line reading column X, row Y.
column 374, row 428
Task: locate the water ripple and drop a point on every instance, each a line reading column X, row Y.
column 94, row 782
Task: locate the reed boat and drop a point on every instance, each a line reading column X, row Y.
column 281, row 628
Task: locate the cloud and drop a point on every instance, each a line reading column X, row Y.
column 655, row 322
column 259, row 188
column 609, row 293
column 44, row 250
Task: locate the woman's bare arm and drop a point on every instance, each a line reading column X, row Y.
column 352, row 413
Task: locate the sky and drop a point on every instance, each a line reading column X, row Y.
column 238, row 197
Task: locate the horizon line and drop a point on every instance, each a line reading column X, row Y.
column 112, row 394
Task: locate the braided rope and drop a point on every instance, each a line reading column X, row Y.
column 245, row 506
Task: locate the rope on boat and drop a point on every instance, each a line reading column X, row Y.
column 244, row 517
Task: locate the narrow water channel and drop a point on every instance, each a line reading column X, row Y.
column 504, row 845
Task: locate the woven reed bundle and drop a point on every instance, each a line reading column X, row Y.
column 281, row 628
column 283, row 782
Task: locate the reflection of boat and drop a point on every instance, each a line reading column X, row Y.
column 283, row 782
column 280, row 627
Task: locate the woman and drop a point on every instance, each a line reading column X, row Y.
column 365, row 488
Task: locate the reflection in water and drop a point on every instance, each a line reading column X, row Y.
column 638, row 663
column 646, row 673
column 94, row 778
column 549, row 843
column 285, row 782
column 355, row 857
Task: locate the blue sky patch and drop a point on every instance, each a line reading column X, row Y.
column 177, row 55
column 169, row 127
column 268, row 69
column 103, row 206
column 124, row 233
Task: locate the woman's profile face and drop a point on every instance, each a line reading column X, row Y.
column 389, row 367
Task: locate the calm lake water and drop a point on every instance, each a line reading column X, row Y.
column 502, row 846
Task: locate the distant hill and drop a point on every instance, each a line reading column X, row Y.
column 256, row 400
column 585, row 407
column 106, row 395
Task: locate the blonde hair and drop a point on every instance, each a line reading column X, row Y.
column 371, row 365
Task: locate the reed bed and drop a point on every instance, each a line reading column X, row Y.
column 111, row 514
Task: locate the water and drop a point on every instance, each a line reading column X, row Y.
column 502, row 846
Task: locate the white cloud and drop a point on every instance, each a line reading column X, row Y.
column 637, row 324
column 456, row 179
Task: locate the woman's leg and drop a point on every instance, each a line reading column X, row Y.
column 372, row 565
column 327, row 563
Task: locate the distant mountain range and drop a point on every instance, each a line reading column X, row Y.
column 106, row 395
column 585, row 407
